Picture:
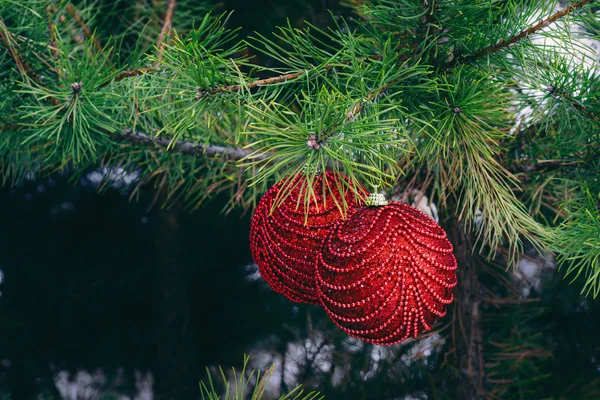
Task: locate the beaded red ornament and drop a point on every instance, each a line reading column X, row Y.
column 285, row 243
column 386, row 273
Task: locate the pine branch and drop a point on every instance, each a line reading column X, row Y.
column 261, row 82
column 9, row 41
column 231, row 88
column 24, row 68
column 269, row 81
column 133, row 73
column 576, row 104
column 51, row 33
column 543, row 165
column 355, row 110
column 166, row 29
column 226, row 89
column 183, row 147
column 462, row 59
column 193, row 149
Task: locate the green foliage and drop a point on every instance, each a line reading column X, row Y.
column 76, row 123
column 345, row 143
column 461, row 145
column 191, row 66
column 239, row 386
column 578, row 240
column 471, row 98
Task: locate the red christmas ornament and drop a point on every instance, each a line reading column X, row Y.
column 285, row 243
column 386, row 273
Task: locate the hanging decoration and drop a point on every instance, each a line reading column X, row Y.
column 386, row 272
column 285, row 240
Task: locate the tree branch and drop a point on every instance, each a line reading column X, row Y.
column 542, row 165
column 166, row 29
column 261, row 82
column 576, row 104
column 133, row 72
column 462, row 59
column 193, row 149
column 231, row 88
column 22, row 65
column 269, row 81
column 51, row 33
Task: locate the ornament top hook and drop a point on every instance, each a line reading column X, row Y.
column 376, row 199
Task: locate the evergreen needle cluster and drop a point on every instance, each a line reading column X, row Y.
column 243, row 385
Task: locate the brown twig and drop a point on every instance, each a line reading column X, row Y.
column 51, row 33
column 460, row 59
column 272, row 80
column 194, row 149
column 261, row 82
column 354, row 111
column 542, row 165
column 86, row 30
column 166, row 29
column 24, row 67
column 9, row 41
column 232, row 88
column 576, row 104
column 358, row 107
column 183, row 147
column 134, row 72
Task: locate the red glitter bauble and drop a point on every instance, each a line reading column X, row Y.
column 386, row 273
column 285, row 242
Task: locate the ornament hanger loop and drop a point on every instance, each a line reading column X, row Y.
column 376, row 199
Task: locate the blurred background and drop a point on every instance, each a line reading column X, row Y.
column 106, row 298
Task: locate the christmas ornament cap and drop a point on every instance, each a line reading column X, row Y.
column 376, row 199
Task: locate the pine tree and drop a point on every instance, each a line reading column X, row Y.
column 489, row 108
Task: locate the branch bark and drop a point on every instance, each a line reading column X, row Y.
column 462, row 59
column 574, row 103
column 22, row 65
column 194, row 149
column 133, row 72
column 166, row 29
column 232, row 88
